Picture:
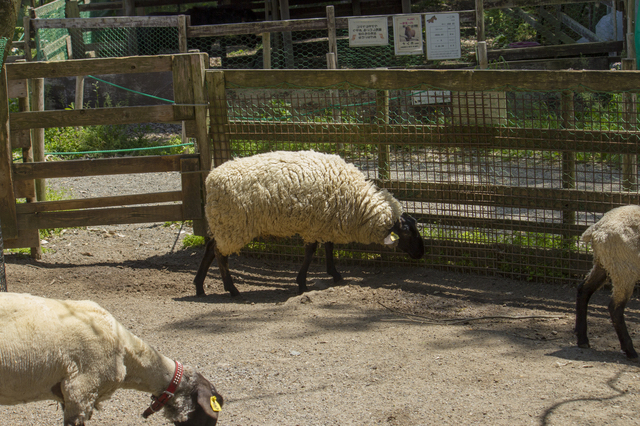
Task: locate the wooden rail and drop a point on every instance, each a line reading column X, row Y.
column 191, row 100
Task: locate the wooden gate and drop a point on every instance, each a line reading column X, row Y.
column 21, row 221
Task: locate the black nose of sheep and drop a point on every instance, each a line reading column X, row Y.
column 410, row 241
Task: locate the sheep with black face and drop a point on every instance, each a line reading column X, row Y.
column 76, row 353
column 317, row 196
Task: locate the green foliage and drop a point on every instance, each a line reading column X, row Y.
column 192, row 241
column 97, row 139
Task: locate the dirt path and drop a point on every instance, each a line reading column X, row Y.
column 336, row 356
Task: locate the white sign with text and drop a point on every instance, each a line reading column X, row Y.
column 443, row 35
column 368, row 32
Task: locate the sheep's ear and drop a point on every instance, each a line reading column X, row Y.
column 391, row 239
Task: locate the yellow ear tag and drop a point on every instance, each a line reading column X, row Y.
column 214, row 404
column 394, row 236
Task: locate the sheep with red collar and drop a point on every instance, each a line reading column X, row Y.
column 317, row 196
column 78, row 354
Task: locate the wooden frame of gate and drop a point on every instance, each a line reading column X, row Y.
column 21, row 221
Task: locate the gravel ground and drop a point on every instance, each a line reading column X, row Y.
column 388, row 346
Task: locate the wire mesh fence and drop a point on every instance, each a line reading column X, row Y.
column 306, row 49
column 502, row 182
column 552, row 25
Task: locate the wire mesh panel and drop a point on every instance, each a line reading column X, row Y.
column 552, row 25
column 503, row 182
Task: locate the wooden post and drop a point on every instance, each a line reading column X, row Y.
column 266, row 51
column 568, row 162
column 27, row 157
column 182, row 33
column 356, row 10
column 331, row 33
column 129, row 7
column 199, row 63
column 37, row 135
column 79, row 102
column 629, row 122
column 26, row 22
column 479, row 21
column 382, row 113
column 77, row 42
column 631, row 27
column 218, row 117
column 8, row 219
column 406, row 6
column 483, row 60
column 286, row 36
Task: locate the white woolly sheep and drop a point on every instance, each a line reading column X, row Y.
column 615, row 240
column 317, row 196
column 76, row 353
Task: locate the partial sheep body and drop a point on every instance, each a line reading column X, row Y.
column 615, row 240
column 317, row 196
column 76, row 353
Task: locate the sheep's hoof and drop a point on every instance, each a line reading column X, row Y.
column 234, row 292
column 585, row 345
column 201, row 294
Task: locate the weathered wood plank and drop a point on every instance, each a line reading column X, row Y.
column 94, row 116
column 558, row 51
column 454, row 80
column 627, row 142
column 107, row 22
column 24, row 189
column 18, row 89
column 192, row 205
column 7, row 196
column 257, row 27
column 509, row 196
column 183, row 87
column 107, row 216
column 89, row 203
column 93, row 66
column 25, row 238
column 97, row 167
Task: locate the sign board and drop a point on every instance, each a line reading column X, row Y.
column 368, row 32
column 430, row 97
column 443, row 35
column 407, row 35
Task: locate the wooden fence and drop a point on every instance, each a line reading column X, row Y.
column 20, row 222
column 227, row 131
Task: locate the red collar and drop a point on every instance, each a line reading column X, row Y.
column 159, row 402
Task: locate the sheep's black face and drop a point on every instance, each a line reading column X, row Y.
column 208, row 404
column 409, row 239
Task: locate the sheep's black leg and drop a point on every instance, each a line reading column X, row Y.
column 223, row 264
column 331, row 267
column 595, row 279
column 616, row 310
column 209, row 255
column 301, row 279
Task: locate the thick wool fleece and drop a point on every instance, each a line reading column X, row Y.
column 80, row 349
column 615, row 240
column 318, row 196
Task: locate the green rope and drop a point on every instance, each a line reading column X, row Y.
column 131, row 90
column 119, row 150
